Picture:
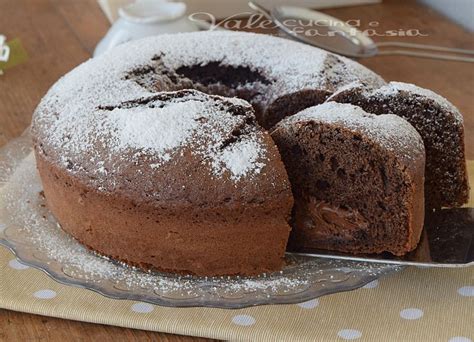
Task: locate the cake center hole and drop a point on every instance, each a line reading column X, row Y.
column 216, row 73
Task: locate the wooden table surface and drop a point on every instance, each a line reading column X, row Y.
column 60, row 34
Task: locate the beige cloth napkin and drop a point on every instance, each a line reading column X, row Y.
column 417, row 304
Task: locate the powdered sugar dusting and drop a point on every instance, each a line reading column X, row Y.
column 394, row 88
column 241, row 157
column 196, row 119
column 391, row 131
column 348, row 87
column 70, row 124
column 159, row 128
column 155, row 130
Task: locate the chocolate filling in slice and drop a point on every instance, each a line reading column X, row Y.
column 357, row 179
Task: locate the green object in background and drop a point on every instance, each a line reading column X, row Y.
column 18, row 55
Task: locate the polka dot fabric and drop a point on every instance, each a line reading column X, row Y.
column 417, row 304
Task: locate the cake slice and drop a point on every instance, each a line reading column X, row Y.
column 437, row 121
column 357, row 179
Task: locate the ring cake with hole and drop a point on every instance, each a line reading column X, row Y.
column 157, row 153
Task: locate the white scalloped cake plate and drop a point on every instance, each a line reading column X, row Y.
column 30, row 231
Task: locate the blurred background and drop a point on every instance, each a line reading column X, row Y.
column 461, row 11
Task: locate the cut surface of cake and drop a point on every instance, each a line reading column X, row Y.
column 437, row 121
column 357, row 179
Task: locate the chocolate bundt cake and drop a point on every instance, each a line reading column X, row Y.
column 141, row 170
column 156, row 154
column 440, row 125
column 357, row 179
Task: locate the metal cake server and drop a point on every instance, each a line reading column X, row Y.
column 339, row 37
column 447, row 241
